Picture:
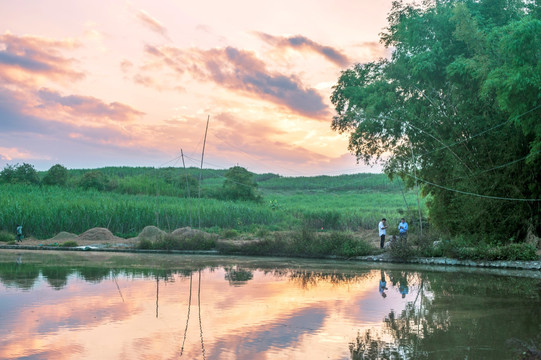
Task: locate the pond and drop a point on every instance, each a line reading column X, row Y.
column 59, row 305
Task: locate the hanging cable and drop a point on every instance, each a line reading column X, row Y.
column 470, row 193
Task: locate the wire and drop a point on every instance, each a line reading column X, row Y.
column 470, row 193
column 499, row 166
column 484, row 131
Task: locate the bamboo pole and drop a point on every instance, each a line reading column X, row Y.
column 200, row 172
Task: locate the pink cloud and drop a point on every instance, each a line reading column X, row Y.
column 242, row 71
column 87, row 106
column 152, row 23
column 24, row 57
column 302, row 43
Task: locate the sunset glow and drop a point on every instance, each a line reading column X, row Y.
column 93, row 84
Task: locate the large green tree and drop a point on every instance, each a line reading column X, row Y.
column 456, row 110
column 239, row 184
column 56, row 175
column 19, row 174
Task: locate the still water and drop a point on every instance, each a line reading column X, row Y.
column 63, row 306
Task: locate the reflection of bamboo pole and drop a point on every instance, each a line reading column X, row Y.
column 201, row 170
column 200, row 324
column 120, row 292
column 157, row 291
column 187, row 317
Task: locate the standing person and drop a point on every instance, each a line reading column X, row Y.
column 403, row 230
column 382, row 232
column 19, row 233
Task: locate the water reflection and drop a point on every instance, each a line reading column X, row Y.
column 247, row 311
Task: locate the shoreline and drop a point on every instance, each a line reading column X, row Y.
column 382, row 258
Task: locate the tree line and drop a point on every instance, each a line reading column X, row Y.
column 458, row 107
column 237, row 184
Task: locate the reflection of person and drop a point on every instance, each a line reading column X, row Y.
column 19, row 233
column 382, row 232
column 382, row 285
column 403, row 287
column 403, row 230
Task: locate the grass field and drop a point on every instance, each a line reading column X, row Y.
column 346, row 202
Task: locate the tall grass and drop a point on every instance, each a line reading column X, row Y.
column 46, row 210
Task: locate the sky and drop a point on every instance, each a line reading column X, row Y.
column 88, row 84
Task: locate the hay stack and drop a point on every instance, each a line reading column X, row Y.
column 151, row 233
column 184, row 232
column 98, row 234
column 63, row 235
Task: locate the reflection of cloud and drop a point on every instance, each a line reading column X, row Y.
column 301, row 43
column 242, row 71
column 152, row 23
column 27, row 56
column 87, row 106
column 283, row 333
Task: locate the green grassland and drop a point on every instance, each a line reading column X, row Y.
column 137, row 197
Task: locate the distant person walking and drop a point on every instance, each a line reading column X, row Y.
column 382, row 232
column 19, row 233
column 403, row 230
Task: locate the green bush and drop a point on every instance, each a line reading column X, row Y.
column 230, row 233
column 145, row 244
column 523, row 252
column 303, row 243
column 170, row 242
column 70, row 243
column 401, row 250
column 6, row 236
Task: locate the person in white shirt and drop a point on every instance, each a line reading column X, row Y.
column 382, row 226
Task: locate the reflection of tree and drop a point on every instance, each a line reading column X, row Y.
column 57, row 277
column 94, row 274
column 237, row 276
column 466, row 316
column 308, row 279
column 368, row 347
column 22, row 276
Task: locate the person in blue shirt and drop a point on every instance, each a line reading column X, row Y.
column 19, row 233
column 403, row 230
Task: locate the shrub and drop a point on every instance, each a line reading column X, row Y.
column 145, row 244
column 230, row 233
column 6, row 236
column 94, row 179
column 193, row 242
column 70, row 243
column 401, row 250
column 522, row 251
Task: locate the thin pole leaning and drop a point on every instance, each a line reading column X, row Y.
column 187, row 188
column 200, row 172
